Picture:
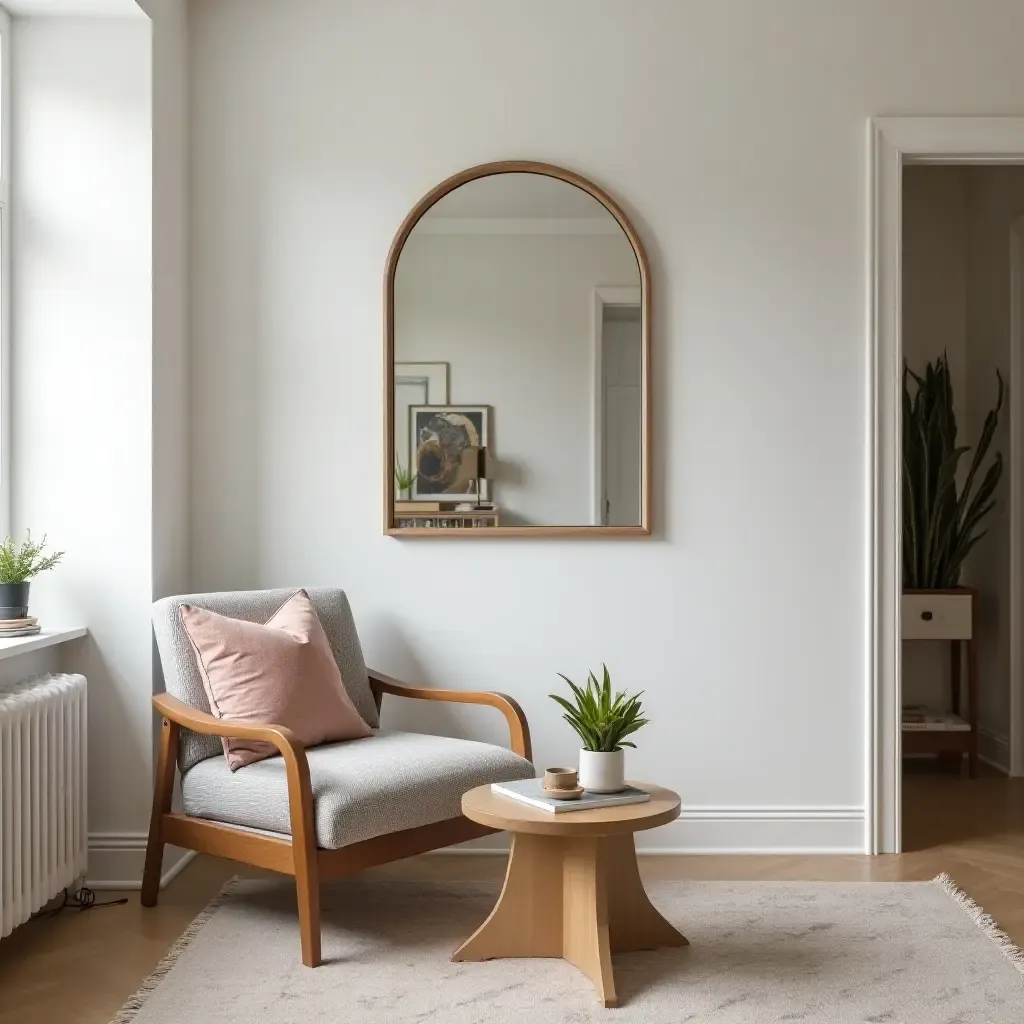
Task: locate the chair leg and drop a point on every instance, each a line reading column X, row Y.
column 163, row 789
column 307, row 891
column 307, row 872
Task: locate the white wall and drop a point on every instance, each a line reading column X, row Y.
column 171, row 477
column 82, row 369
column 170, row 384
column 512, row 315
column 100, row 350
column 734, row 132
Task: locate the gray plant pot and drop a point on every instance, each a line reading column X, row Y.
column 13, row 600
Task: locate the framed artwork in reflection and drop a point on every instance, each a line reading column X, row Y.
column 443, row 441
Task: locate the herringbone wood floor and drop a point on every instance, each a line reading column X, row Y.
column 79, row 968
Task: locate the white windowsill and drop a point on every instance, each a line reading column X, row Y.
column 48, row 638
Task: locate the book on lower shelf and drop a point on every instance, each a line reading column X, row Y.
column 532, row 792
column 918, row 718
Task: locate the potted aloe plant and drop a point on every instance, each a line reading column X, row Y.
column 602, row 721
column 19, row 563
column 941, row 519
column 404, row 479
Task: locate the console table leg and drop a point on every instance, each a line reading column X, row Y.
column 633, row 920
column 527, row 919
column 576, row 898
column 585, row 939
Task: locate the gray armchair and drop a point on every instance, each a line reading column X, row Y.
column 325, row 812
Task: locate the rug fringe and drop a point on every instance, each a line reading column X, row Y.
column 1010, row 950
column 128, row 1012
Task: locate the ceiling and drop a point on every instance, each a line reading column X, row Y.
column 72, row 8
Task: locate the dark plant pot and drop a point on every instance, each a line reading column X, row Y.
column 13, row 600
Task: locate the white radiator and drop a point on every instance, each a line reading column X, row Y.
column 42, row 793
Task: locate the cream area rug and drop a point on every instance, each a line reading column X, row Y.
column 881, row 953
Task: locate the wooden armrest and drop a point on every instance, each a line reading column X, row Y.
column 293, row 752
column 199, row 721
column 518, row 729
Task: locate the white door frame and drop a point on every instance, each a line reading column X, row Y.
column 604, row 295
column 894, row 142
column 1017, row 497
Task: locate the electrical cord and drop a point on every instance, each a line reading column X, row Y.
column 83, row 899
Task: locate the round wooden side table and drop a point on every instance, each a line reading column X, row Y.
column 572, row 888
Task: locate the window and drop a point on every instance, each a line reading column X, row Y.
column 5, row 271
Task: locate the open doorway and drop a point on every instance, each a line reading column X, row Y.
column 960, row 346
column 618, row 399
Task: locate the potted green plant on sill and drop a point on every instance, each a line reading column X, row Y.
column 602, row 721
column 19, row 563
column 941, row 519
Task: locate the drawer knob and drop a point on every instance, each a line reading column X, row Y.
column 927, row 616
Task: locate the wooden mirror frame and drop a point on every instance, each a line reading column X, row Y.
column 391, row 268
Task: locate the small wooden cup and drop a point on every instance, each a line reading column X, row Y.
column 561, row 778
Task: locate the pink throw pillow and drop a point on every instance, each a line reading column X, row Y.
column 279, row 673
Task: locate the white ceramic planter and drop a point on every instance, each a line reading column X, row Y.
column 603, row 772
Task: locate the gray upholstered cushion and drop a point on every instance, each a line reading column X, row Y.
column 181, row 674
column 361, row 788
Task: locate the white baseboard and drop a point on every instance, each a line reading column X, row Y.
column 736, row 830
column 994, row 751
column 116, row 860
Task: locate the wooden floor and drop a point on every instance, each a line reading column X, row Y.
column 79, row 968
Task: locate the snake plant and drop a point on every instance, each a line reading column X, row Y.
column 602, row 721
column 940, row 520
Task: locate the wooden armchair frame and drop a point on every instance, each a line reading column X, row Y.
column 298, row 855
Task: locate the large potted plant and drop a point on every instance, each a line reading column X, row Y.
column 19, row 563
column 942, row 518
column 602, row 721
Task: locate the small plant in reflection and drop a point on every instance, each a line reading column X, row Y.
column 404, row 479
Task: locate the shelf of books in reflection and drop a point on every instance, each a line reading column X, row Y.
column 444, row 515
column 27, row 626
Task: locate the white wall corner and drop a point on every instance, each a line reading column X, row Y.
column 116, row 861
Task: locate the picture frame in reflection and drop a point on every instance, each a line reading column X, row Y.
column 443, row 443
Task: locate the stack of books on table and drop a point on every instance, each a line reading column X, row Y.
column 918, row 718
column 531, row 791
column 18, row 627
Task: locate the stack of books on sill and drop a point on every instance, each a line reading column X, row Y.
column 27, row 626
column 918, row 718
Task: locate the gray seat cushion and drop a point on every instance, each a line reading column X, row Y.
column 361, row 788
column 181, row 674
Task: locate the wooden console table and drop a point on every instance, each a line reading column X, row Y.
column 572, row 887
column 951, row 616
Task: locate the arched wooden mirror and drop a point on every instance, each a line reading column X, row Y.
column 517, row 360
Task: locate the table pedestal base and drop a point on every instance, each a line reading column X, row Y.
column 580, row 899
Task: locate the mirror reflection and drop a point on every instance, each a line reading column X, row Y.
column 518, row 373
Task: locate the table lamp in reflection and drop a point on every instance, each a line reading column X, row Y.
column 480, row 472
column 472, row 473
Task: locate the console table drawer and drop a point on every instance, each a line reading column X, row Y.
column 937, row 616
